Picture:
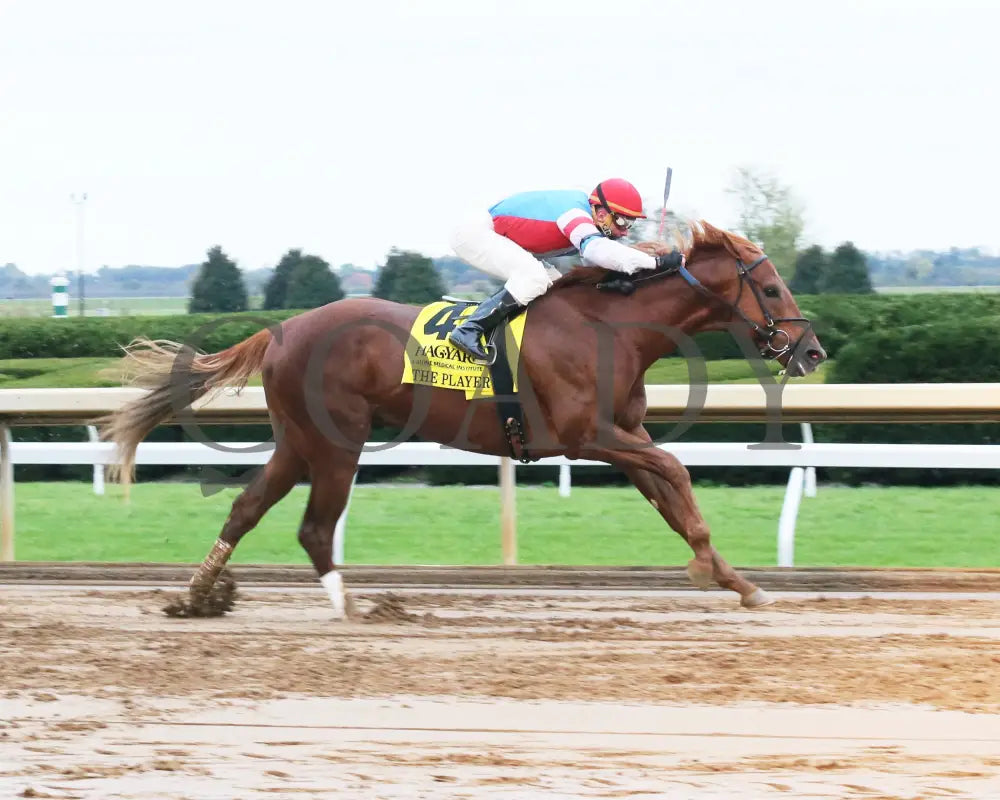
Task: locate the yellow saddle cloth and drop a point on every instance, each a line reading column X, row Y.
column 431, row 360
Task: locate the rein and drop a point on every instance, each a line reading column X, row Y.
column 776, row 340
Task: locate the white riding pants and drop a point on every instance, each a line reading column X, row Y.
column 476, row 243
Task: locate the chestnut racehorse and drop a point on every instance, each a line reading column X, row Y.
column 331, row 372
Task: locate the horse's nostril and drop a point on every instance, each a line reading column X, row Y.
column 815, row 355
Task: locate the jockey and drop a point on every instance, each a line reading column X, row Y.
column 510, row 240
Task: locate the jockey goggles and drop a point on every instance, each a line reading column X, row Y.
column 620, row 220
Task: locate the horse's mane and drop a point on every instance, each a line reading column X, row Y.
column 695, row 236
column 706, row 236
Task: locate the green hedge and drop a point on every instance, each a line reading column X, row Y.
column 104, row 336
column 839, row 319
column 952, row 351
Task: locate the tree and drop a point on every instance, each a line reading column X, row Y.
column 408, row 277
column 277, row 286
column 312, row 284
column 770, row 216
column 219, row 285
column 848, row 272
column 811, row 268
column 319, row 285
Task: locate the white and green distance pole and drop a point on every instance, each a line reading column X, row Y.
column 60, row 296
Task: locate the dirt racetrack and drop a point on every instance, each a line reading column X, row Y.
column 520, row 694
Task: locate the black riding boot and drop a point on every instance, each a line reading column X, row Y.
column 481, row 323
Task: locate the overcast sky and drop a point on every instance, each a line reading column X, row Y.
column 346, row 128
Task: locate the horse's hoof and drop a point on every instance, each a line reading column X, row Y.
column 698, row 576
column 219, row 599
column 346, row 611
column 757, row 599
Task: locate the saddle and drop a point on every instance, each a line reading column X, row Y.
column 430, row 360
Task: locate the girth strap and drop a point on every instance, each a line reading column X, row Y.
column 508, row 406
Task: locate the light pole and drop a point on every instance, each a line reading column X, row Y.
column 79, row 200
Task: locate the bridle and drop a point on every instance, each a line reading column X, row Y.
column 772, row 340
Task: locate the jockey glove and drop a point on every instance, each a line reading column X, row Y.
column 671, row 260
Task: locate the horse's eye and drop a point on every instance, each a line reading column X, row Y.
column 772, row 291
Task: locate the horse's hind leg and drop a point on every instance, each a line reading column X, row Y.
column 331, row 485
column 271, row 484
column 666, row 483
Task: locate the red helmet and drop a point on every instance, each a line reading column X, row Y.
column 619, row 196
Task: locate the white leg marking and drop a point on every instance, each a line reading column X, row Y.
column 334, row 585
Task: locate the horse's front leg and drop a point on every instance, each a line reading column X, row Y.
column 666, row 483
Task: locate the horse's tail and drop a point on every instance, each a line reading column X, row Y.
column 176, row 377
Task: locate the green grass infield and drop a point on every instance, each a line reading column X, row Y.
column 407, row 524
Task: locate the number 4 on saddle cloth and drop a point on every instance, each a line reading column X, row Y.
column 430, row 360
